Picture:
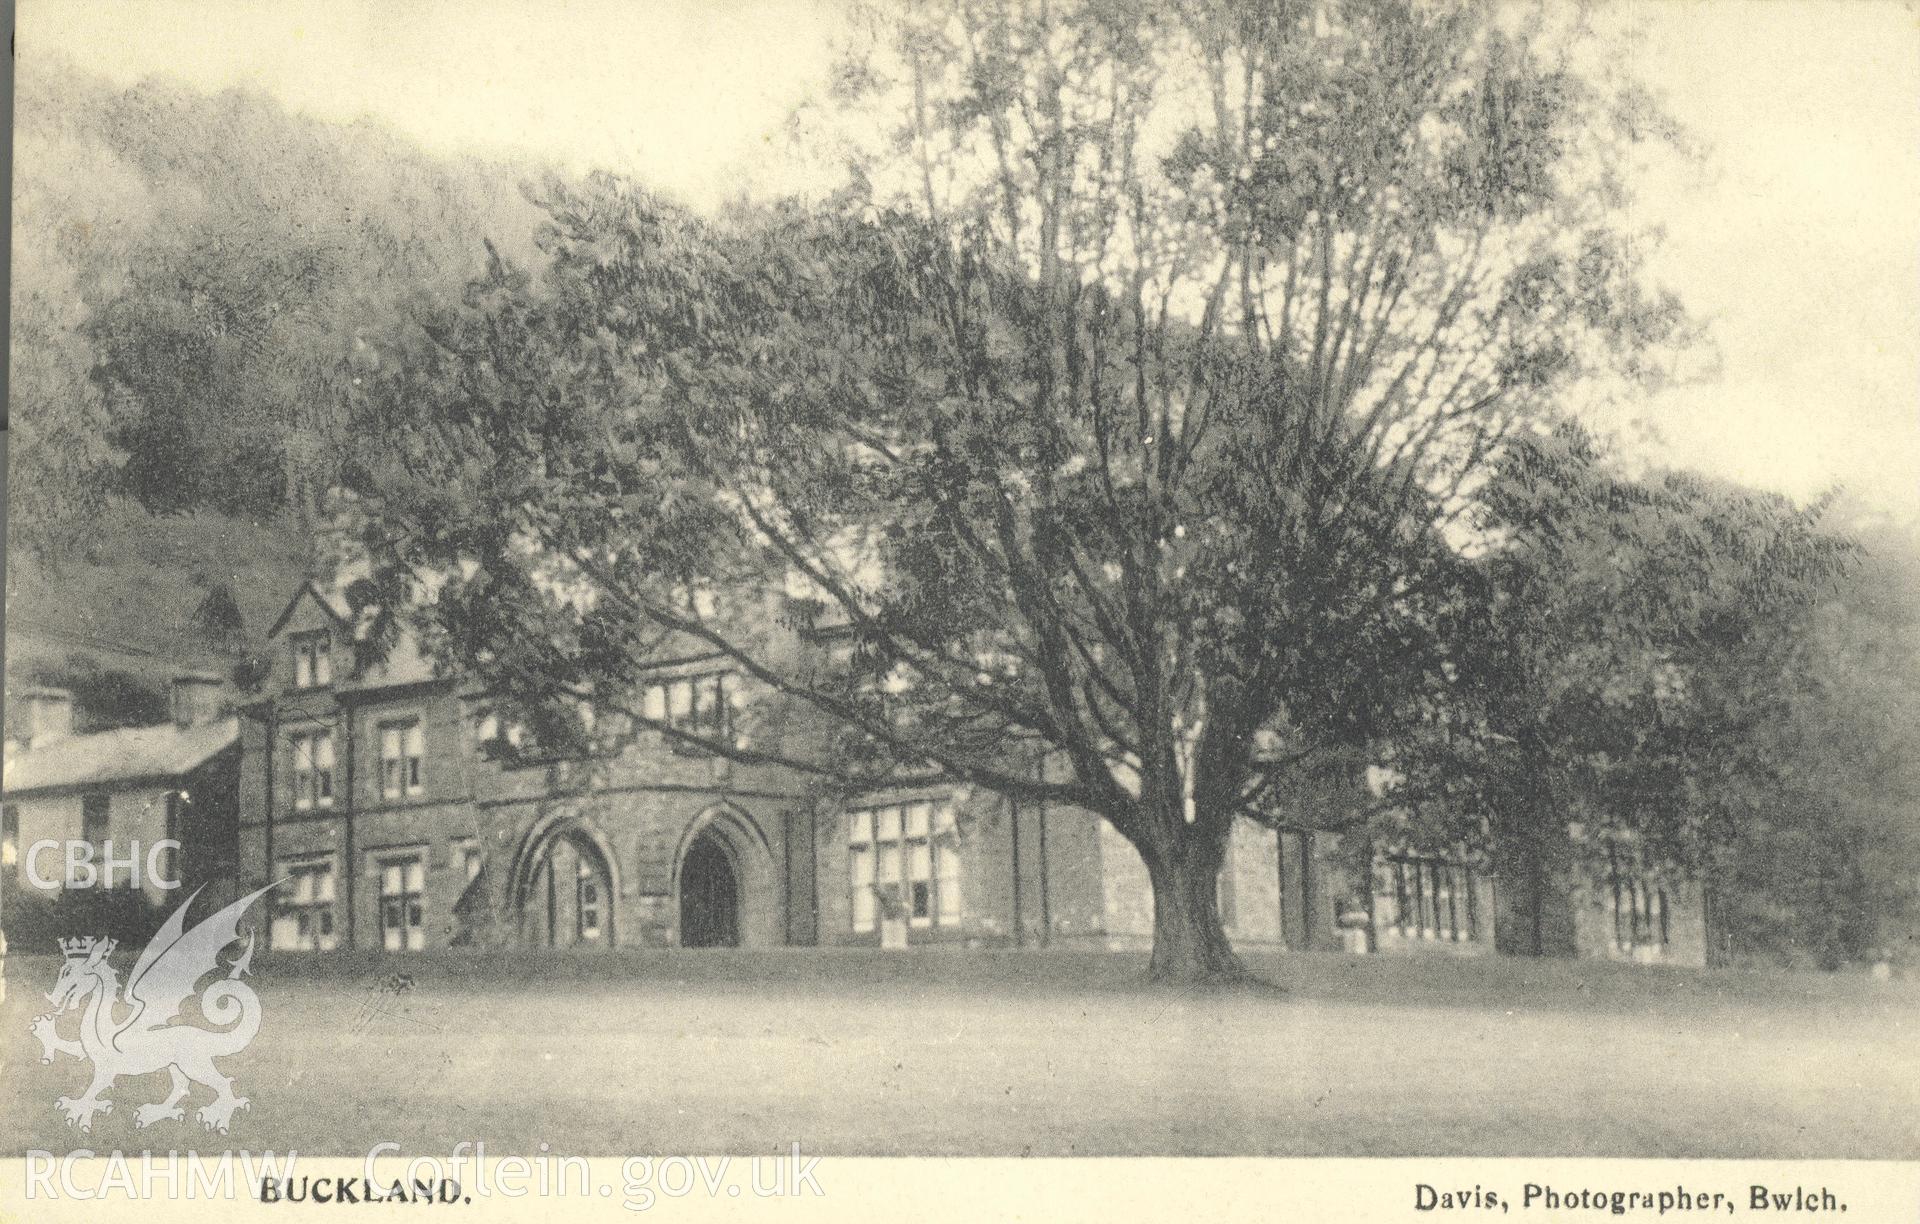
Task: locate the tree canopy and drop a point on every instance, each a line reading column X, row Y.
column 192, row 274
column 1125, row 408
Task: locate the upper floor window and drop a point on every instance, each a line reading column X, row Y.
column 312, row 769
column 1425, row 898
column 695, row 599
column 557, row 732
column 694, row 705
column 904, row 862
column 403, row 750
column 312, row 660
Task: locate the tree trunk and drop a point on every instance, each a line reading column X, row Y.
column 1189, row 943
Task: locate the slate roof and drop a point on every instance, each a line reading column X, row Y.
column 106, row 757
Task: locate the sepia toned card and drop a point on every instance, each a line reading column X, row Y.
column 801, row 609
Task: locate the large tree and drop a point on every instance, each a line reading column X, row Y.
column 1122, row 409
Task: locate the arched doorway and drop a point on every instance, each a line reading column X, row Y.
column 566, row 891
column 725, row 891
column 709, row 895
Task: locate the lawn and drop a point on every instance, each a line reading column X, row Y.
column 1036, row 1053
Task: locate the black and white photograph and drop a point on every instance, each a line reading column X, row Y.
column 800, row 580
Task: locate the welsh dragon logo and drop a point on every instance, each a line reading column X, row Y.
column 134, row 1033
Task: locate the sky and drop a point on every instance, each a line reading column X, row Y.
column 1797, row 240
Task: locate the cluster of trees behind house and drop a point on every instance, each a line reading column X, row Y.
column 1198, row 469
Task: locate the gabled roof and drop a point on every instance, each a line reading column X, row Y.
column 130, row 753
column 309, row 589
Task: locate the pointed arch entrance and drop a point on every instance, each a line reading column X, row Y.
column 724, row 886
column 565, row 885
column 709, row 895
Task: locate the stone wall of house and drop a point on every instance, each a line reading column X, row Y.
column 1250, row 889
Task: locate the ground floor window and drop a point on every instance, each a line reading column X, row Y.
column 587, row 902
column 403, row 886
column 303, row 919
column 1639, row 907
column 904, row 863
column 1425, row 898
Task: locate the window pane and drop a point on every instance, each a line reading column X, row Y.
column 863, row 909
column 861, row 860
column 302, row 666
column 303, row 886
column 323, row 750
column 656, row 703
column 390, row 879
column 918, row 816
column 919, row 861
column 943, row 818
column 416, row 740
column 322, row 663
column 679, row 701
column 890, row 862
column 416, row 876
column 889, row 824
column 860, row 827
column 324, row 889
column 922, row 900
column 389, row 743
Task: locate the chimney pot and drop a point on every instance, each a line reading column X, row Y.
column 195, row 698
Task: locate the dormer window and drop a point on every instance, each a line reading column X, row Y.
column 312, row 661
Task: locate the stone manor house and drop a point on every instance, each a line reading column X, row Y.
column 402, row 813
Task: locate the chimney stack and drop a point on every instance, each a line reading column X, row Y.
column 49, row 715
column 195, row 698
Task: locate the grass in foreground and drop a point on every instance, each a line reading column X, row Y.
column 1030, row 1054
